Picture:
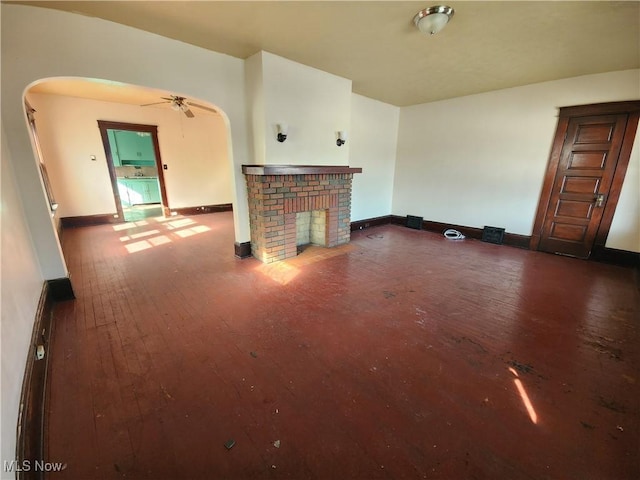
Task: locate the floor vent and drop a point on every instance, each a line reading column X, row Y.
column 493, row 235
column 414, row 222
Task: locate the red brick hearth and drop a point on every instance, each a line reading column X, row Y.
column 278, row 193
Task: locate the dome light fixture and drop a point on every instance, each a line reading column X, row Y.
column 433, row 19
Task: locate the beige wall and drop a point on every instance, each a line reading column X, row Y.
column 20, row 283
column 254, row 91
column 194, row 149
column 79, row 46
column 475, row 160
column 480, row 160
column 373, row 141
column 314, row 104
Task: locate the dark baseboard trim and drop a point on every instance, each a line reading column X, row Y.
column 60, row 289
column 223, row 207
column 517, row 240
column 614, row 256
column 511, row 239
column 398, row 220
column 30, row 444
column 30, row 441
column 599, row 254
column 242, row 250
column 370, row 222
column 108, row 218
column 438, row 227
column 89, row 220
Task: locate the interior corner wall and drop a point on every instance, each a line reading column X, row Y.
column 68, row 44
column 21, row 284
column 373, row 139
column 624, row 233
column 255, row 106
column 480, row 160
column 194, row 150
column 313, row 103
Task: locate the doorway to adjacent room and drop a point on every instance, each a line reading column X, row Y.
column 135, row 168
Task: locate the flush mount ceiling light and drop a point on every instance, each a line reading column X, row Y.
column 433, row 19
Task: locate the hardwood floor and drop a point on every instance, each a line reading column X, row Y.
column 400, row 355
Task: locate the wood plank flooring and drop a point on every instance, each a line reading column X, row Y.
column 400, row 355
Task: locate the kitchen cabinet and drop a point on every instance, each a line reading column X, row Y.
column 150, row 190
column 132, row 148
column 138, row 191
column 113, row 146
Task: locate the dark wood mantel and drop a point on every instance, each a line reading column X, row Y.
column 297, row 169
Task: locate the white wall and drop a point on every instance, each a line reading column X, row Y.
column 21, row 284
column 194, row 149
column 373, row 138
column 315, row 105
column 624, row 233
column 480, row 160
column 255, row 106
column 73, row 45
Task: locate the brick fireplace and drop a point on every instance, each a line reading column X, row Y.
column 292, row 205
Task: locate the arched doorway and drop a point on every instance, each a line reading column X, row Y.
column 192, row 151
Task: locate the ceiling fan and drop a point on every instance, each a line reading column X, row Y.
column 180, row 104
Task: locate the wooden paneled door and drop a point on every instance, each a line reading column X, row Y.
column 586, row 170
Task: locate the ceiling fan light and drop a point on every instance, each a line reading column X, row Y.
column 433, row 19
column 175, row 106
column 183, row 107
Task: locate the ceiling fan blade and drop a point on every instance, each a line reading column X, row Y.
column 189, row 113
column 202, row 107
column 155, row 103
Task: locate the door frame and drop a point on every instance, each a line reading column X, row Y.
column 632, row 108
column 105, row 125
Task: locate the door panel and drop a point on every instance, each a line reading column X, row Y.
column 583, row 178
column 594, row 133
column 575, row 209
column 580, row 160
column 579, row 185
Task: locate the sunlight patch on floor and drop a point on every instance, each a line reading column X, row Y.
column 159, row 240
column 128, row 225
column 280, row 272
column 135, row 236
column 177, row 228
column 138, row 246
column 183, row 222
column 525, row 398
column 188, row 232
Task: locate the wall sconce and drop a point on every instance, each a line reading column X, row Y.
column 282, row 129
column 341, row 137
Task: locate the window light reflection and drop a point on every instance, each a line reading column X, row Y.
column 525, row 398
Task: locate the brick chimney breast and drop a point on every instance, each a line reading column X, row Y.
column 277, row 193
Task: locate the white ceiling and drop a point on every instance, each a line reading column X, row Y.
column 487, row 45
